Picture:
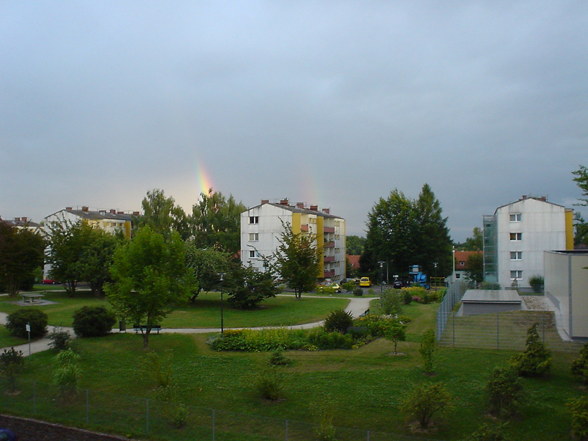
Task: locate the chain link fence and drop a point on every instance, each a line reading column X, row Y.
column 150, row 419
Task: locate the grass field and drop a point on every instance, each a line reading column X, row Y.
column 365, row 386
column 204, row 313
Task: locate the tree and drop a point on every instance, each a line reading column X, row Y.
column 354, row 245
column 205, row 264
column 149, row 274
column 80, row 252
column 247, row 287
column 21, row 252
column 395, row 333
column 427, row 350
column 424, row 401
column 581, row 180
column 580, row 365
column 473, row 243
column 11, row 363
column 163, row 216
column 404, row 232
column 535, row 361
column 297, row 260
column 504, row 391
column 216, row 222
column 580, row 230
column 475, row 268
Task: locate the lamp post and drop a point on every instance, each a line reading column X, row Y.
column 381, row 262
column 222, row 276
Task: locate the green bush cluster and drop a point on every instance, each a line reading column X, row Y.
column 349, row 286
column 93, row 321
column 339, row 321
column 260, row 340
column 17, row 321
column 535, row 361
column 322, row 339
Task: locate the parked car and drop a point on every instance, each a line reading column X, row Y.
column 329, row 287
column 365, row 282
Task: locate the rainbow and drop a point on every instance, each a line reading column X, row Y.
column 204, row 181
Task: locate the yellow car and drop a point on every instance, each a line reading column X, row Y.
column 365, row 281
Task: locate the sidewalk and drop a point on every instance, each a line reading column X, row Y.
column 356, row 307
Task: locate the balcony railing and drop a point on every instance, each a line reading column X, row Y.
column 329, row 229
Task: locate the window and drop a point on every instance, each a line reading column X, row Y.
column 253, row 219
column 252, row 253
column 457, row 275
column 515, row 217
column 516, row 255
column 516, row 236
column 516, row 275
column 253, row 236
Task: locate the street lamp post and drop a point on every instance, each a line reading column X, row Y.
column 381, row 262
column 222, row 312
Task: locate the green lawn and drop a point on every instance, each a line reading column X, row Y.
column 7, row 340
column 364, row 384
column 204, row 313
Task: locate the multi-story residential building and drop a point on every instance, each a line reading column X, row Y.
column 24, row 223
column 516, row 236
column 262, row 226
column 111, row 221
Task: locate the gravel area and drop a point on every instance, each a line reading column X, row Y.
column 535, row 303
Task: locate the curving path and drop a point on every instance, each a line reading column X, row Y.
column 356, row 307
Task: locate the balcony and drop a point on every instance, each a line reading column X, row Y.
column 304, row 228
column 329, row 259
column 330, row 244
column 329, row 229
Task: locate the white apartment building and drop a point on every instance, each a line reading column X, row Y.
column 111, row 221
column 517, row 235
column 262, row 226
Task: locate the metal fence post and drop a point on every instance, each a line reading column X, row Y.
column 286, row 431
column 34, row 398
column 147, row 415
column 367, row 436
column 213, row 425
column 453, row 326
column 87, row 406
column 497, row 331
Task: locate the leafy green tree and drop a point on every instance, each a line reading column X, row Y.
column 21, row 252
column 581, row 180
column 247, row 287
column 424, row 401
column 205, row 265
column 580, row 229
column 11, row 363
column 473, row 243
column 149, row 274
column 67, row 373
column 354, row 244
column 163, row 216
column 79, row 252
column 396, row 332
column 433, row 244
column 216, row 222
column 297, row 260
column 475, row 268
column 427, row 350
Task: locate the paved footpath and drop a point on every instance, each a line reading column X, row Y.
column 356, row 307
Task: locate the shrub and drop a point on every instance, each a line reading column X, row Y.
column 17, row 321
column 67, row 373
column 424, row 401
column 536, row 283
column 278, row 359
column 504, row 392
column 377, row 325
column 158, row 368
column 329, row 340
column 396, row 333
column 358, row 292
column 11, row 362
column 350, row 287
column 60, row 340
column 489, row 432
column 93, row 321
column 390, row 302
column 406, row 297
column 249, row 340
column 324, row 410
column 535, row 361
column 579, row 410
column 269, row 384
column 427, row 350
column 489, row 285
column 339, row 321
column 580, row 365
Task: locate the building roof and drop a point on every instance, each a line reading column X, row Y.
column 299, row 208
column 527, row 197
column 463, row 256
column 353, row 260
column 85, row 213
column 21, row 222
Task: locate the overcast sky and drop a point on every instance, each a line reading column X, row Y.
column 334, row 103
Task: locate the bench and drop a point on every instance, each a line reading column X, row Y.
column 143, row 328
column 32, row 298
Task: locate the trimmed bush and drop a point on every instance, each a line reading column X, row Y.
column 93, row 321
column 330, row 340
column 504, row 391
column 358, row 292
column 339, row 321
column 60, row 340
column 535, row 361
column 580, row 365
column 11, row 363
column 536, row 283
column 579, row 411
column 17, row 321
